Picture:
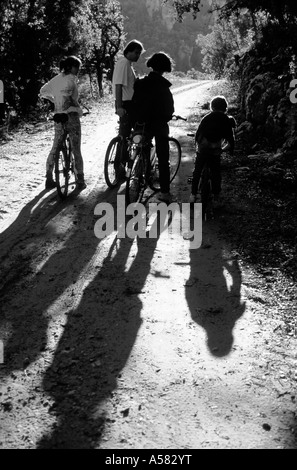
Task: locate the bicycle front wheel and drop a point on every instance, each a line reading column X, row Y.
column 113, row 169
column 135, row 182
column 174, row 157
column 174, row 163
column 62, row 172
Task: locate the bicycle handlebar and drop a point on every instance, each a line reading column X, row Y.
column 175, row 117
column 86, row 108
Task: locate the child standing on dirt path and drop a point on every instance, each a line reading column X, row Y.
column 63, row 92
column 123, row 80
column 153, row 104
column 213, row 129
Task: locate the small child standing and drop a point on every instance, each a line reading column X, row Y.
column 213, row 129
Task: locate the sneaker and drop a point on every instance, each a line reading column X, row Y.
column 80, row 183
column 165, row 197
column 50, row 183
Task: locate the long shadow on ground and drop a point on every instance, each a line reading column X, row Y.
column 213, row 294
column 95, row 345
column 213, row 288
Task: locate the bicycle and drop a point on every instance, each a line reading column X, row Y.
column 64, row 165
column 205, row 186
column 143, row 171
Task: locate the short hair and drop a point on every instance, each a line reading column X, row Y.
column 67, row 63
column 132, row 45
column 219, row 103
column 160, row 62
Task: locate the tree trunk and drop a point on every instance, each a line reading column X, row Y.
column 100, row 79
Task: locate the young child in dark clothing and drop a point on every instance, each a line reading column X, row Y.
column 154, row 105
column 215, row 128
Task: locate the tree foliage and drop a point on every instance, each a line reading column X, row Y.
column 35, row 34
column 239, row 25
column 281, row 11
column 99, row 33
column 285, row 10
column 22, row 37
column 188, row 6
column 158, row 29
column 228, row 38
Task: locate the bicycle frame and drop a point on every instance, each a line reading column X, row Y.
column 117, row 168
column 139, row 144
column 143, row 169
column 65, row 162
column 140, row 140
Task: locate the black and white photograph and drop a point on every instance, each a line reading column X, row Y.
column 148, row 227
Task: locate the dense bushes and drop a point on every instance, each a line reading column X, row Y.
column 264, row 74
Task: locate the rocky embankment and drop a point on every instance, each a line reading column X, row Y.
column 268, row 117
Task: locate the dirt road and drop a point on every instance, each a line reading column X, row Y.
column 131, row 343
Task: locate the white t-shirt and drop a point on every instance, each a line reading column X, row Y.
column 62, row 91
column 124, row 75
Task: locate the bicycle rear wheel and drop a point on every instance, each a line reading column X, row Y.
column 113, row 169
column 174, row 163
column 135, row 184
column 62, row 163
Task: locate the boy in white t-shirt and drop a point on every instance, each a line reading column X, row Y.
column 123, row 80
